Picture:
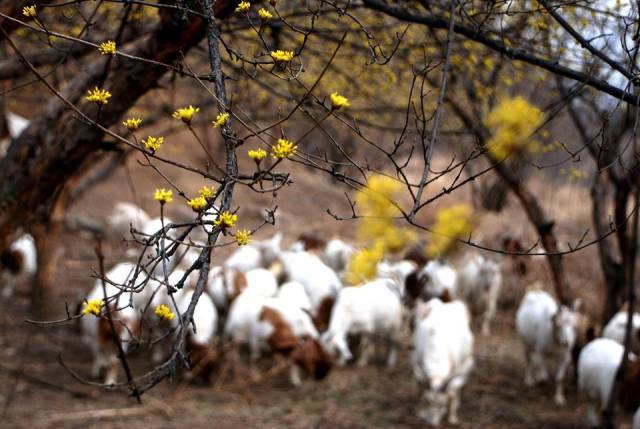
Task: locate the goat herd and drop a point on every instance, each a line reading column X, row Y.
column 268, row 301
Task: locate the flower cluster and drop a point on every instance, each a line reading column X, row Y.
column 29, row 11
column 281, row 56
column 452, row 224
column 197, row 204
column 283, row 149
column 186, row 113
column 264, row 14
column 512, row 122
column 93, row 306
column 257, row 155
column 226, row 220
column 338, row 101
column 164, row 313
column 363, row 265
column 98, row 96
column 163, row 195
column 206, row 192
column 377, row 227
column 108, row 47
column 221, row 120
column 243, row 7
column 153, row 143
column 243, row 237
column 132, row 123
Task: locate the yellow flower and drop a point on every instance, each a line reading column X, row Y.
column 186, row 113
column 108, row 47
column 226, row 220
column 243, row 7
column 197, row 204
column 164, row 313
column 363, row 265
column 132, row 123
column 281, row 56
column 512, row 122
column 153, row 143
column 283, row 149
column 243, row 237
column 338, row 101
column 452, row 224
column 29, row 11
column 163, row 195
column 221, row 120
column 98, row 96
column 257, row 155
column 264, row 14
column 206, row 192
column 93, row 306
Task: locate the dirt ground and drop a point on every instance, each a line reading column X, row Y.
column 36, row 391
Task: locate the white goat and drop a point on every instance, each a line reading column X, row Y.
column 224, row 285
column 275, row 325
column 126, row 215
column 442, row 357
column 597, row 367
column 259, row 254
column 200, row 341
column 374, row 308
column 294, row 293
column 337, row 254
column 18, row 263
column 617, row 326
column 546, row 329
column 96, row 330
column 318, row 279
column 436, row 279
column 479, row 283
column 16, row 124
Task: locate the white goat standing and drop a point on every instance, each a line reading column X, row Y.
column 617, row 326
column 374, row 308
column 259, row 254
column 479, row 283
column 18, row 263
column 442, row 357
column 337, row 254
column 546, row 329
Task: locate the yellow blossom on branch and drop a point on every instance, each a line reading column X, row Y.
column 226, row 220
column 132, row 123
column 108, row 47
column 363, row 265
column 281, row 56
column 29, row 11
column 257, row 155
column 186, row 113
column 512, row 123
column 163, row 195
column 243, row 237
column 164, row 313
column 153, row 143
column 452, row 224
column 98, row 96
column 243, row 7
column 206, row 192
column 338, row 101
column 93, row 306
column 197, row 204
column 264, row 14
column 221, row 120
column 283, row 149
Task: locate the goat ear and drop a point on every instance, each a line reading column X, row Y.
column 577, row 305
column 445, row 296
